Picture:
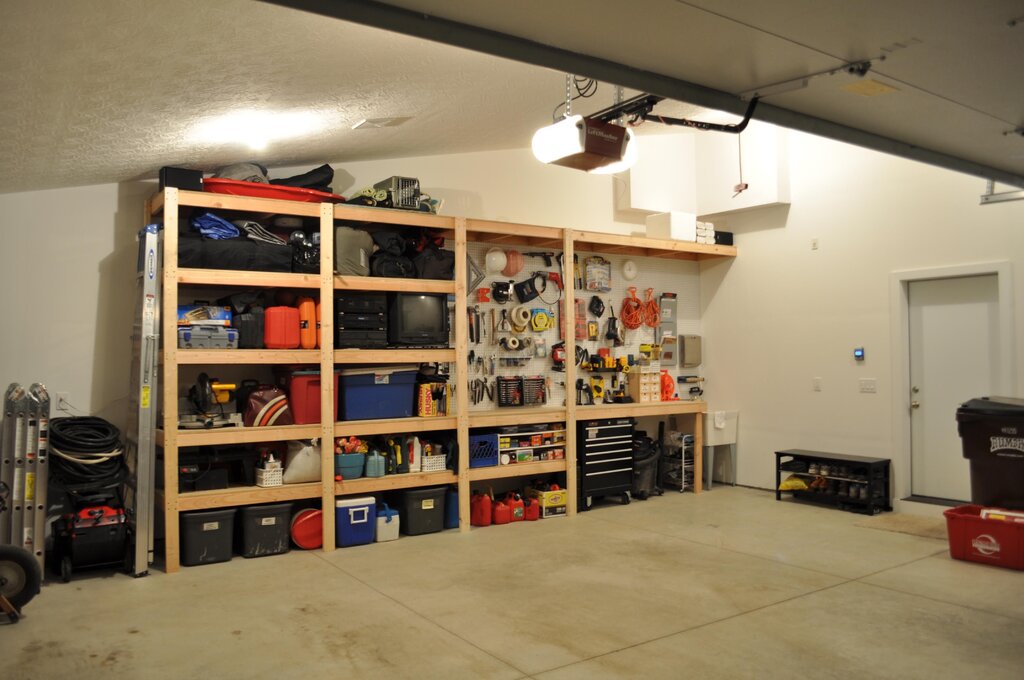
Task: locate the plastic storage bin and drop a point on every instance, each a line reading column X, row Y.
column 988, row 541
column 304, row 395
column 992, row 433
column 355, row 520
column 264, row 529
column 206, row 536
column 422, row 510
column 387, row 523
column 381, row 392
column 483, row 450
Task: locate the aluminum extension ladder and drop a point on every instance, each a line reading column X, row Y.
column 24, row 444
column 140, row 439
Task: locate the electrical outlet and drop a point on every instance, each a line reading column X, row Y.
column 814, row 244
column 816, row 384
column 868, row 385
column 63, row 403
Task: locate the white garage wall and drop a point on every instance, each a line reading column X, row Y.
column 781, row 314
column 66, row 276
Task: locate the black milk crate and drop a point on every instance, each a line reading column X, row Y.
column 510, row 391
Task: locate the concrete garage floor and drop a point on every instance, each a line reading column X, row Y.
column 728, row 585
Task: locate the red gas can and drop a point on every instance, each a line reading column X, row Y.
column 281, row 328
column 502, row 513
column 531, row 509
column 516, row 506
column 480, row 510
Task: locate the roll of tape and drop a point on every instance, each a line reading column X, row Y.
column 521, row 315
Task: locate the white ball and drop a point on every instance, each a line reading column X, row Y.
column 495, row 260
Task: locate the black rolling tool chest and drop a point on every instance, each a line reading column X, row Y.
column 361, row 320
column 604, row 459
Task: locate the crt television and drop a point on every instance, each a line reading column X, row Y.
column 417, row 319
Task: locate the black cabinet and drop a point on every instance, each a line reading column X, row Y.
column 604, row 459
column 853, row 483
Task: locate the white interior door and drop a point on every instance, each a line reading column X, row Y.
column 954, row 356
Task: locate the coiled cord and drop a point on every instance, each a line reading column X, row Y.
column 87, row 454
column 652, row 310
column 632, row 314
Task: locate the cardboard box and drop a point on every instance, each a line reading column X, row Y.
column 203, row 315
column 552, row 503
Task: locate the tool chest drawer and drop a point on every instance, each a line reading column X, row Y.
column 604, row 458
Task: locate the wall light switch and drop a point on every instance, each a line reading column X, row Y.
column 869, row 385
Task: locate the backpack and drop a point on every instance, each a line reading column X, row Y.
column 392, row 266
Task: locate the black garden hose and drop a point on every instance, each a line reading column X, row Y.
column 88, row 456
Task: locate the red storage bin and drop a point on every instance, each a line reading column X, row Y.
column 281, row 328
column 988, row 541
column 304, row 396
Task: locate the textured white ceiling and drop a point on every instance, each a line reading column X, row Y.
column 95, row 91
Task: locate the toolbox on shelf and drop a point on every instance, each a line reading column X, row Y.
column 380, row 392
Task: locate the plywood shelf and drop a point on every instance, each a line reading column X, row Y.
column 516, row 470
column 393, row 356
column 248, row 356
column 227, row 277
column 247, row 495
column 641, row 246
column 661, row 408
column 515, row 416
column 508, row 233
column 243, row 435
column 411, row 218
column 409, row 480
column 384, row 284
column 360, row 428
column 207, row 199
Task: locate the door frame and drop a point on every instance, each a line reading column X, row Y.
column 899, row 312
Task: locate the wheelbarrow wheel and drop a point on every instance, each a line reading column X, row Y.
column 20, row 576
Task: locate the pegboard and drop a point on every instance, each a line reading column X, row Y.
column 663, row 275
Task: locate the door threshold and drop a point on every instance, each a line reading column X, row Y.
column 931, row 500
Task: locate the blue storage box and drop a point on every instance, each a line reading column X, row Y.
column 355, row 520
column 380, row 392
column 349, row 465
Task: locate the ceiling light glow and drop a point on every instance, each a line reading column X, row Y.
column 257, row 129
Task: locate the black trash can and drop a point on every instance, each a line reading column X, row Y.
column 992, row 432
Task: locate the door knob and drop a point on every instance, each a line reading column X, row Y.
column 915, row 404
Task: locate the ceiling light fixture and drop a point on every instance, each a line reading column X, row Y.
column 256, row 129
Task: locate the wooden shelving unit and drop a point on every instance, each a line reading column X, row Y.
column 459, row 231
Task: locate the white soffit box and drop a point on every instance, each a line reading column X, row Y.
column 677, row 225
column 765, row 169
column 663, row 178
